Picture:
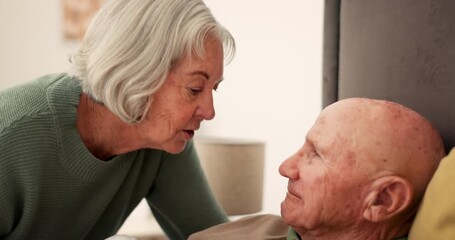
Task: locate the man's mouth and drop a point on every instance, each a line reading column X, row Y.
column 292, row 194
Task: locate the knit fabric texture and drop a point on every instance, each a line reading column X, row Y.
column 52, row 187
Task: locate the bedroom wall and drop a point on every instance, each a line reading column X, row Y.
column 272, row 89
column 31, row 42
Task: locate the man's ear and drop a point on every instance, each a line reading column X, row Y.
column 388, row 197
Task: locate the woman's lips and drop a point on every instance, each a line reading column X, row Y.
column 188, row 134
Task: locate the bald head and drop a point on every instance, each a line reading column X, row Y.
column 362, row 170
column 387, row 137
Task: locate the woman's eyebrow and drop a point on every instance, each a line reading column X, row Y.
column 206, row 75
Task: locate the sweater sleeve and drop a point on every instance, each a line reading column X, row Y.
column 181, row 199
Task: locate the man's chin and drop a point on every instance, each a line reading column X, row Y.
column 286, row 213
column 291, row 214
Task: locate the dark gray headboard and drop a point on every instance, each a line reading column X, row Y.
column 397, row 50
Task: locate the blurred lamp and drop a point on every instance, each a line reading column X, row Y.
column 235, row 172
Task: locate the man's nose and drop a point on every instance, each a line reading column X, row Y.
column 289, row 169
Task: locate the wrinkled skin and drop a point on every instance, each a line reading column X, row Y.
column 176, row 112
column 184, row 101
column 354, row 146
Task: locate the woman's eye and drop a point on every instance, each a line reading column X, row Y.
column 215, row 88
column 194, row 91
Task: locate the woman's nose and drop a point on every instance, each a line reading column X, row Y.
column 206, row 108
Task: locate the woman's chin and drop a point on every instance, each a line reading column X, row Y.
column 176, row 147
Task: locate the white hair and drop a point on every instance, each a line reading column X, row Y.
column 131, row 45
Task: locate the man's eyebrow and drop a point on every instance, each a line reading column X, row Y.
column 309, row 139
column 308, row 136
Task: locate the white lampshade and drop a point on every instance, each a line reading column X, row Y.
column 235, row 172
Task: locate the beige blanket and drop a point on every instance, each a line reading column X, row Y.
column 259, row 227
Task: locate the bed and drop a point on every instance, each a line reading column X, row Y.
column 402, row 51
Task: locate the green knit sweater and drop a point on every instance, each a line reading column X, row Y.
column 51, row 187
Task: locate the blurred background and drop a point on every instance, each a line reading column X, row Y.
column 272, row 88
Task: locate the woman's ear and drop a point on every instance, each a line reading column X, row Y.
column 388, row 197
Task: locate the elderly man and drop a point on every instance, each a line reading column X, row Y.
column 361, row 174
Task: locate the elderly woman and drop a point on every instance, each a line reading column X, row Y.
column 79, row 151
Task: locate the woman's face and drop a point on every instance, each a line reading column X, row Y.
column 184, row 101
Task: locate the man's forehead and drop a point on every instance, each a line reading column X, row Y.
column 337, row 129
column 327, row 122
column 323, row 132
column 316, row 128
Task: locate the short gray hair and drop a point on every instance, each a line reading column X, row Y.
column 131, row 45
